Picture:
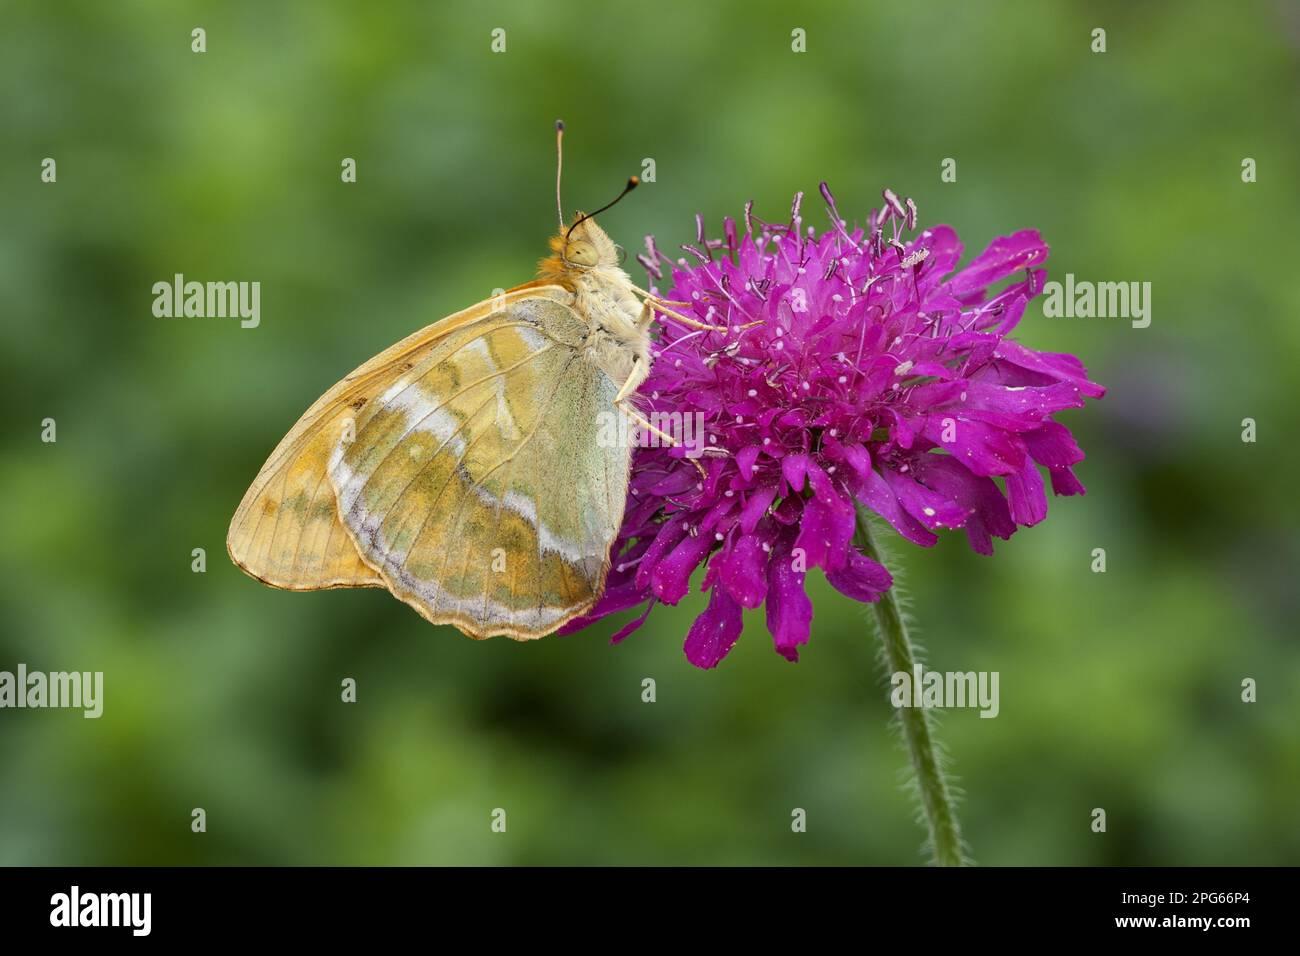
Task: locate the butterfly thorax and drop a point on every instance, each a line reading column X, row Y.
column 585, row 262
column 615, row 343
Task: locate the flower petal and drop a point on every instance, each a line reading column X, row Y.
column 927, row 506
column 756, row 506
column 827, row 526
column 1064, row 483
column 745, row 459
column 1057, row 365
column 714, row 632
column 633, row 624
column 877, row 495
column 789, row 611
column 1028, row 497
column 669, row 534
column 1005, row 255
column 742, row 569
column 1053, row 445
column 989, row 515
column 671, row 577
column 861, row 578
column 793, row 469
column 983, row 448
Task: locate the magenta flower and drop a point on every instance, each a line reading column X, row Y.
column 877, row 375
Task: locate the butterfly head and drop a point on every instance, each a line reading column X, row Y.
column 582, row 246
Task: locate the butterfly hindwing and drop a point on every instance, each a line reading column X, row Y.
column 477, row 486
column 286, row 531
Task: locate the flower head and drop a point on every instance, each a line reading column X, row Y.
column 874, row 376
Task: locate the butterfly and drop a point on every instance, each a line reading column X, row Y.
column 461, row 468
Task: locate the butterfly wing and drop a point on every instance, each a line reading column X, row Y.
column 286, row 531
column 478, row 487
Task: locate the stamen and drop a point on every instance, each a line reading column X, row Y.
column 895, row 207
column 835, row 213
column 917, row 257
column 655, row 257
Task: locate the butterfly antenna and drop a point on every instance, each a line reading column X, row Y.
column 559, row 167
column 632, row 183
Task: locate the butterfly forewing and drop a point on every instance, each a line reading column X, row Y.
column 476, row 485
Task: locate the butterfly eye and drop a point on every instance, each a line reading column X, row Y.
column 580, row 252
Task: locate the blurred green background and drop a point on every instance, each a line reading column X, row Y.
column 1119, row 690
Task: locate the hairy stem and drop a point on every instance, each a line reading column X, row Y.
column 918, row 730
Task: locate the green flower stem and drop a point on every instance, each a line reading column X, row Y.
column 900, row 656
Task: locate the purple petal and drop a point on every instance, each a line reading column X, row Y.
column 1064, row 483
column 827, row 526
column 1005, row 255
column 1058, row 365
column 1017, row 407
column 1053, row 445
column 983, row 448
column 756, row 506
column 880, row 498
column 927, row 506
column 1028, row 497
column 945, row 252
column 741, row 570
column 617, row 597
column 896, row 386
column 859, row 458
column 861, row 578
column 789, row 611
column 793, row 469
column 671, row 577
column 666, row 538
column 745, row 460
column 633, row 624
column 714, row 632
column 989, row 512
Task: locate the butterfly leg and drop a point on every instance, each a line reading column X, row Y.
column 683, row 319
column 654, row 304
column 636, row 417
column 639, row 374
column 663, row 436
column 647, row 317
column 658, row 298
column 623, row 402
column 695, row 323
